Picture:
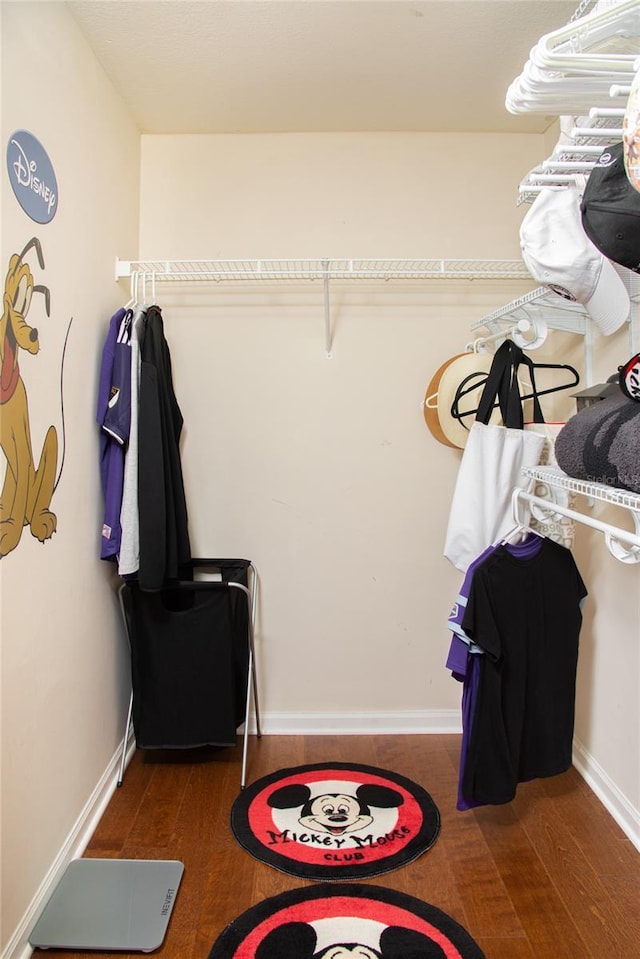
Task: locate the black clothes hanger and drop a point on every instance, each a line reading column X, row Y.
column 478, row 380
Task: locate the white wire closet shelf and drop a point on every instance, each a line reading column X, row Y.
column 558, row 313
column 141, row 272
column 623, row 544
column 172, row 271
column 543, row 309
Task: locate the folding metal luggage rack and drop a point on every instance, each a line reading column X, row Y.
column 193, row 666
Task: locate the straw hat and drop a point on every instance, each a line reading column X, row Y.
column 465, row 371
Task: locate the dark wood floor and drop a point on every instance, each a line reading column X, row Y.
column 549, row 875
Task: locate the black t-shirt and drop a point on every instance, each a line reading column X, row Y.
column 525, row 614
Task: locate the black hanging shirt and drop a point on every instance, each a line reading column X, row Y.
column 164, row 534
column 526, row 616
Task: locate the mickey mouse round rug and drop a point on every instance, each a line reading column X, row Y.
column 348, row 921
column 335, row 821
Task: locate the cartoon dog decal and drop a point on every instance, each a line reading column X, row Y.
column 300, row 939
column 335, row 813
column 27, row 489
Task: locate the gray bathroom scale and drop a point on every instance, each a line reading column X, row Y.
column 110, row 905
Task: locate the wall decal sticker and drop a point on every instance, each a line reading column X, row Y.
column 28, row 488
column 32, row 176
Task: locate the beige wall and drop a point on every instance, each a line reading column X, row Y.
column 64, row 670
column 322, row 470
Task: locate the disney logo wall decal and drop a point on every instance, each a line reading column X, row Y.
column 32, row 176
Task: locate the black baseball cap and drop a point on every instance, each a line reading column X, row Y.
column 610, row 209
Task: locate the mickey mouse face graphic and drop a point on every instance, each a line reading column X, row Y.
column 335, row 813
column 301, row 939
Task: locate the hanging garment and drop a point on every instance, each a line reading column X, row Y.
column 129, row 558
column 525, row 613
column 463, row 658
column 465, row 667
column 163, row 521
column 113, row 416
column 459, row 607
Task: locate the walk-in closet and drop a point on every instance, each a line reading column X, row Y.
column 311, row 225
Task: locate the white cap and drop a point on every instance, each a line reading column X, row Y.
column 559, row 254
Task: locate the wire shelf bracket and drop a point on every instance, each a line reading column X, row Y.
column 543, row 306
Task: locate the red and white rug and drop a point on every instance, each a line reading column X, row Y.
column 345, row 921
column 335, row 821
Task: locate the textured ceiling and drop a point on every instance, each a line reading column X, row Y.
column 241, row 66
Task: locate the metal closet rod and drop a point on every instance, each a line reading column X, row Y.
column 622, row 544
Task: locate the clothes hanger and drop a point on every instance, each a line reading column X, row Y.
column 580, row 41
column 146, row 303
column 567, row 67
column 523, row 530
column 133, row 299
column 521, row 527
column 477, row 380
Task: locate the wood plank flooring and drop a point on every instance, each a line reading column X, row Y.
column 549, row 875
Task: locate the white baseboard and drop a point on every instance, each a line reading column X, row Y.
column 76, row 842
column 397, row 722
column 615, row 802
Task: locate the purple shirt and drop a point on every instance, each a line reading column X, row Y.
column 113, row 417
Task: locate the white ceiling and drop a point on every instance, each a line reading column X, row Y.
column 241, row 66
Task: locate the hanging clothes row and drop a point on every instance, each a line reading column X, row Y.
column 515, row 628
column 145, row 528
